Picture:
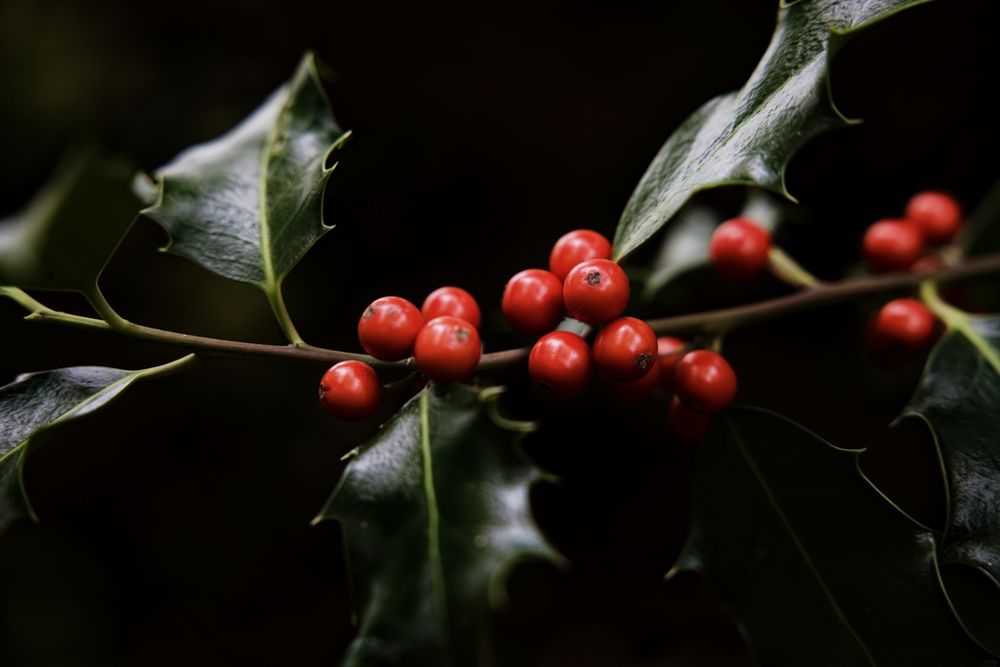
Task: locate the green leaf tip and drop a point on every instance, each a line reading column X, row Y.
column 248, row 205
column 35, row 403
column 749, row 137
column 435, row 510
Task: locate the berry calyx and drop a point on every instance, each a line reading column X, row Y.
column 669, row 351
column 561, row 363
column 596, row 291
column 705, row 381
column 350, row 390
column 533, row 302
column 625, row 350
column 892, row 245
column 388, row 328
column 688, row 424
column 447, row 349
column 937, row 214
column 575, row 247
column 739, row 248
column 453, row 301
column 904, row 324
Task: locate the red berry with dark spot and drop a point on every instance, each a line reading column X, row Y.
column 350, row 390
column 739, row 248
column 625, row 350
column 937, row 214
column 904, row 323
column 705, row 381
column 533, row 302
column 637, row 389
column 388, row 328
column 447, row 349
column 560, row 362
column 669, row 350
column 688, row 424
column 892, row 245
column 575, row 247
column 596, row 291
column 453, row 301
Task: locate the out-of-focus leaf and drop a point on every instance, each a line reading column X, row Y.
column 63, row 239
column 818, row 567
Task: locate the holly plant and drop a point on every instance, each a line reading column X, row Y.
column 435, row 509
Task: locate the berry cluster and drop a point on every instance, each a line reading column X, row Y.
column 582, row 282
column 900, row 244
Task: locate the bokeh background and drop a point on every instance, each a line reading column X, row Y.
column 175, row 524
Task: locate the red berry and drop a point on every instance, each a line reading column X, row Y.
column 388, row 328
column 453, row 301
column 560, row 362
column 533, row 302
column 350, row 390
column 688, row 424
column 903, row 323
column 596, row 291
column 447, row 349
column 705, row 381
column 669, row 350
column 575, row 247
column 892, row 245
column 637, row 389
column 739, row 248
column 938, row 215
column 625, row 350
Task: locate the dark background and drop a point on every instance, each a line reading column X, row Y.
column 175, row 524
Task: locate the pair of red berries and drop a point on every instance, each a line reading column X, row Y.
column 932, row 219
column 442, row 337
column 581, row 280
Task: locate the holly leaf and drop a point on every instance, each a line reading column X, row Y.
column 958, row 397
column 249, row 205
column 818, row 567
column 35, row 403
column 435, row 510
column 67, row 234
column 748, row 137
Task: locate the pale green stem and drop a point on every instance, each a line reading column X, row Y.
column 788, row 270
column 277, row 301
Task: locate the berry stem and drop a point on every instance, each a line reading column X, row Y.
column 710, row 323
column 788, row 270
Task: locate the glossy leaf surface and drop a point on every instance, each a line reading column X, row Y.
column 434, row 510
column 750, row 136
column 248, row 205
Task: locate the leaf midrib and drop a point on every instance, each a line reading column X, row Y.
column 433, row 515
column 773, row 502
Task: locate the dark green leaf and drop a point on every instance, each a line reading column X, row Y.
column 63, row 239
column 249, row 204
column 959, row 399
column 982, row 228
column 749, row 136
column 819, row 568
column 434, row 510
column 36, row 402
